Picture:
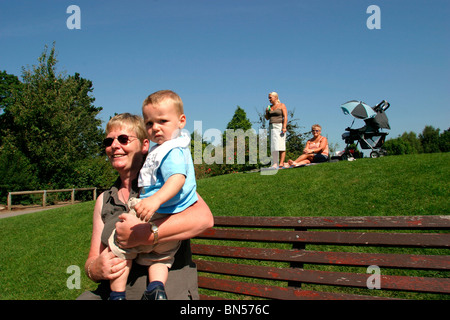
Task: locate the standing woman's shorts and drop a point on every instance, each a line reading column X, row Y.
column 277, row 137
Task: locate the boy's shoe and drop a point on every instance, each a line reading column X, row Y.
column 157, row 293
column 118, row 298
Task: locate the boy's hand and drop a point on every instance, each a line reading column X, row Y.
column 146, row 208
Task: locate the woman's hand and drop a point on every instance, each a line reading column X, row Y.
column 106, row 266
column 131, row 231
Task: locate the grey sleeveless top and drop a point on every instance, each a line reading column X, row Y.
column 276, row 116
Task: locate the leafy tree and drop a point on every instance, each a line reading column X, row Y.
column 295, row 140
column 241, row 129
column 429, row 139
column 444, row 141
column 51, row 120
column 413, row 143
column 397, row 147
column 16, row 171
column 9, row 84
column 407, row 143
column 239, row 120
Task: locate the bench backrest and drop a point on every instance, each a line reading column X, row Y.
column 289, row 254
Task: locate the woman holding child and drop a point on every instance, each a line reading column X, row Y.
column 316, row 149
column 126, row 146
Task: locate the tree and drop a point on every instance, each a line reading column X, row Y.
column 295, row 140
column 9, row 84
column 237, row 140
column 52, row 121
column 407, row 143
column 16, row 171
column 412, row 142
column 444, row 141
column 239, row 120
column 429, row 139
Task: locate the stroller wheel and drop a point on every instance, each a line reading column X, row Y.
column 374, row 154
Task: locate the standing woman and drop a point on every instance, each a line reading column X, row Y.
column 276, row 113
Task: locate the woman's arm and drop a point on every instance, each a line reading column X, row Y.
column 131, row 232
column 307, row 150
column 285, row 117
column 101, row 263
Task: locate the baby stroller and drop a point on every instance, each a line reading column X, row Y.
column 369, row 136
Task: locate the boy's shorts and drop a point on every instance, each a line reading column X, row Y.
column 149, row 254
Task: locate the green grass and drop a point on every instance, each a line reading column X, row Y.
column 36, row 249
column 396, row 185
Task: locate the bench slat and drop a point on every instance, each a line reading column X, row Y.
column 368, row 222
column 389, row 260
column 435, row 240
column 240, row 239
column 273, row 292
column 420, row 284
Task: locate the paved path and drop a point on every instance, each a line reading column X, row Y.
column 6, row 214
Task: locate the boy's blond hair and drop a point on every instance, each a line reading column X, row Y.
column 159, row 96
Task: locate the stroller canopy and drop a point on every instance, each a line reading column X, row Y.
column 358, row 109
column 374, row 117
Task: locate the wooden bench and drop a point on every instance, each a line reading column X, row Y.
column 289, row 255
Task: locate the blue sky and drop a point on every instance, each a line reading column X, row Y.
column 218, row 54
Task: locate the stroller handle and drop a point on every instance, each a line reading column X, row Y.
column 382, row 106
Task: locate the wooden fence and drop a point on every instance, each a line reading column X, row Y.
column 44, row 194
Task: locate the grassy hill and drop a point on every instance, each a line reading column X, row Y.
column 397, row 185
column 37, row 249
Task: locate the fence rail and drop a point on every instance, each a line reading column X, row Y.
column 44, row 194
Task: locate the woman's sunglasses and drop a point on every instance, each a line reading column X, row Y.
column 123, row 140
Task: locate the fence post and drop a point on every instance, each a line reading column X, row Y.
column 95, row 193
column 9, row 201
column 44, row 198
column 73, row 196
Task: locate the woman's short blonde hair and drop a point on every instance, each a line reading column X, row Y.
column 129, row 121
column 316, row 126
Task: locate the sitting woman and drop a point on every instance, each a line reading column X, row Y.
column 316, row 149
column 126, row 146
